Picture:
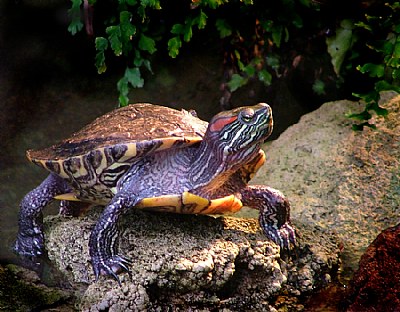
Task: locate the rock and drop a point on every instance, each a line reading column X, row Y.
column 339, row 179
column 22, row 290
column 376, row 285
column 185, row 262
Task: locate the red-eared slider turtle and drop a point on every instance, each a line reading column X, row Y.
column 153, row 157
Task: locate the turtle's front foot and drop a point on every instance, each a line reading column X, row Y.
column 103, row 250
column 112, row 266
column 285, row 236
column 103, row 243
column 274, row 214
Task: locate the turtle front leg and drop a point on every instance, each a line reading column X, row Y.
column 274, row 215
column 30, row 238
column 103, row 243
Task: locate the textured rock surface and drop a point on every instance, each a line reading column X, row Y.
column 191, row 262
column 376, row 285
column 344, row 181
column 22, row 290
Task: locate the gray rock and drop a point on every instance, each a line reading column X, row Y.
column 189, row 262
column 344, row 181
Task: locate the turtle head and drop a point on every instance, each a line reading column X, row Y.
column 238, row 132
column 232, row 139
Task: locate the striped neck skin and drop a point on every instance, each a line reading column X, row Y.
column 211, row 167
column 233, row 138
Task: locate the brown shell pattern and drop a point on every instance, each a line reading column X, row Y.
column 136, row 125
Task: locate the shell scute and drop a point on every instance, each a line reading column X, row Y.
column 146, row 125
column 121, row 136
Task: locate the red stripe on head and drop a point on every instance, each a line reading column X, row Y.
column 218, row 124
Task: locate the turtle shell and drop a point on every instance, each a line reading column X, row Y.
column 120, row 136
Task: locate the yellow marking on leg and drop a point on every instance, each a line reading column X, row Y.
column 67, row 196
column 197, row 203
column 162, row 201
column 228, row 204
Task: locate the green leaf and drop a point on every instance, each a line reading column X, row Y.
column 178, row 29
column 138, row 59
column 272, row 60
column 75, row 14
column 297, row 21
column 134, row 77
column 236, row 82
column 127, row 31
column 114, row 36
column 174, row 44
column 239, row 62
column 202, row 20
column 265, row 77
column 363, row 25
column 147, row 64
column 188, row 33
column 100, row 62
column 249, row 70
column 364, row 115
column 319, row 87
column 277, row 35
column 151, row 3
column 361, row 126
column 383, row 85
column 147, row 44
column 339, row 44
column 223, row 27
column 394, row 60
column 75, row 26
column 123, row 89
column 125, row 17
column 372, row 96
column 380, row 111
column 101, row 45
column 373, row 70
column 396, row 74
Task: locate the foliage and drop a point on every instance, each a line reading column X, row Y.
column 365, row 41
column 380, row 34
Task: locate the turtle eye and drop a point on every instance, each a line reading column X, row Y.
column 247, row 115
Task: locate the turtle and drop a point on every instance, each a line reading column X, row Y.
column 152, row 157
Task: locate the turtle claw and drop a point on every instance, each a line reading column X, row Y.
column 285, row 236
column 112, row 267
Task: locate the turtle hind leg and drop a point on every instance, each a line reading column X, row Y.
column 274, row 214
column 30, row 238
column 103, row 243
